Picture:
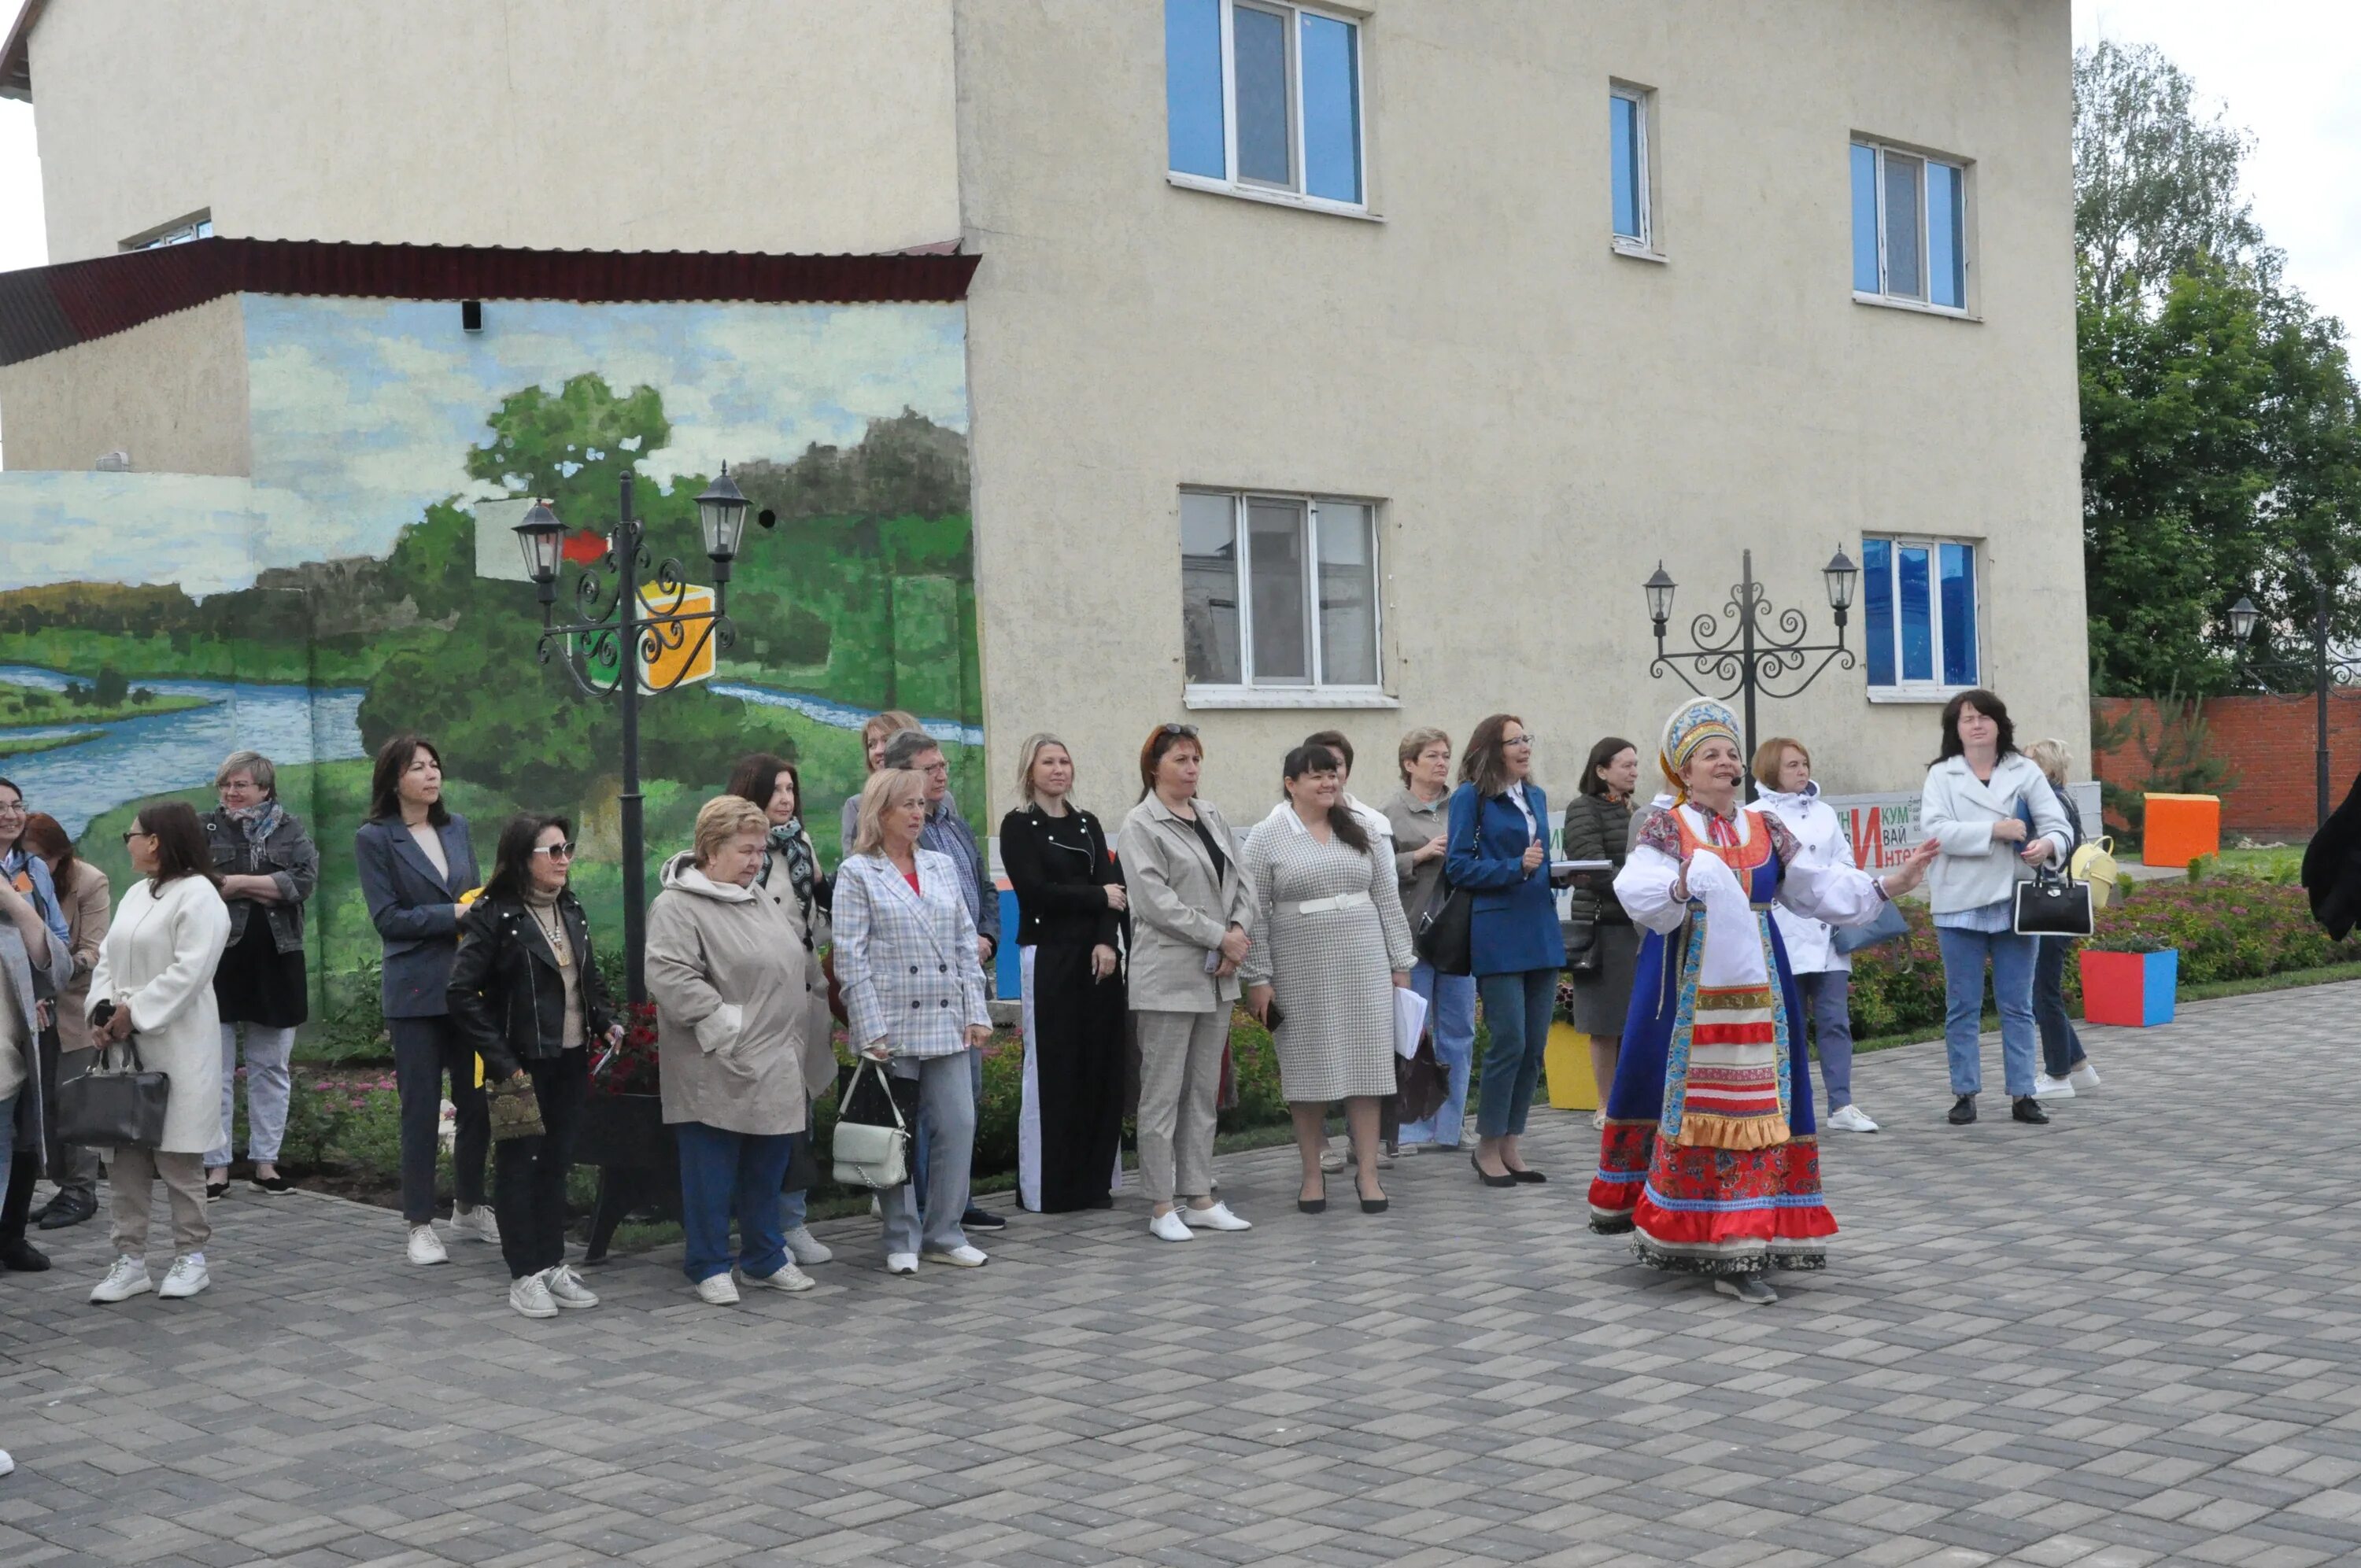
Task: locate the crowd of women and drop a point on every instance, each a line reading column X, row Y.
column 1706, row 938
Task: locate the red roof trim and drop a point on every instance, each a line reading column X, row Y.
column 44, row 309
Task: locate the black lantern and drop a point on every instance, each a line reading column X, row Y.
column 1842, row 574
column 1659, row 587
column 543, row 538
column 721, row 512
column 2243, row 616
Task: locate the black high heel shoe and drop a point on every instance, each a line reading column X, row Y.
column 1314, row 1205
column 1487, row 1178
column 1369, row 1205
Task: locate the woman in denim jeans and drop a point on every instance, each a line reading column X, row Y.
column 2066, row 1070
column 1418, row 818
column 1979, row 798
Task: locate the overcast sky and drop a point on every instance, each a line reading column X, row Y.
column 2289, row 70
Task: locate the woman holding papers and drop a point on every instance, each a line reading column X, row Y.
column 1330, row 944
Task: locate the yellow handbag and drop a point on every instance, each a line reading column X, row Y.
column 2094, row 862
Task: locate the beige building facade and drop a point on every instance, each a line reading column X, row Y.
column 1330, row 299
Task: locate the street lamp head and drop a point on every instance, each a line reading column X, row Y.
column 543, row 538
column 2243, row 616
column 1842, row 574
column 1659, row 588
column 721, row 512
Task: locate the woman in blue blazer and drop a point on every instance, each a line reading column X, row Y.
column 414, row 862
column 1500, row 852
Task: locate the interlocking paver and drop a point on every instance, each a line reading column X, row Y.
column 2129, row 1337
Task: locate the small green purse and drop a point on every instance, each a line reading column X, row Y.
column 514, row 1110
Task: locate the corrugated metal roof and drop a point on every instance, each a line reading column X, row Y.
column 44, row 309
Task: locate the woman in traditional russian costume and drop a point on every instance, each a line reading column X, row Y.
column 1710, row 1158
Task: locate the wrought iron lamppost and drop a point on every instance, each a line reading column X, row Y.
column 2325, row 671
column 1749, row 654
column 616, row 646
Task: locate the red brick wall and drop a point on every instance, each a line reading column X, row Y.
column 2268, row 742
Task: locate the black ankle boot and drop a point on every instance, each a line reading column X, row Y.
column 2029, row 1109
column 1963, row 1110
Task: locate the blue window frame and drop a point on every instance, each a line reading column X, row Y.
column 1627, row 137
column 1909, row 227
column 1266, row 96
column 1918, row 613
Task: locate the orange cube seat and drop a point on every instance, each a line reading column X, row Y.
column 2179, row 828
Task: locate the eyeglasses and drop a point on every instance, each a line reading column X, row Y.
column 12, row 808
column 1527, row 739
column 131, row 833
column 554, row 851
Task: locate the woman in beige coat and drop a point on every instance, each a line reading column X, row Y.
column 732, row 987
column 1191, row 910
column 154, row 986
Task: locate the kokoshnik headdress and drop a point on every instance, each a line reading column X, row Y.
column 1690, row 726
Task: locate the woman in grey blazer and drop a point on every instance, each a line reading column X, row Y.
column 1191, row 910
column 415, row 860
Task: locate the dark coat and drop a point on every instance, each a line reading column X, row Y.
column 414, row 911
column 2332, row 868
column 1061, row 899
column 286, row 857
column 507, row 998
column 1598, row 828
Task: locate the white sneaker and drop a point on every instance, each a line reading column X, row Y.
column 806, row 1248
column 1598, row 1120
column 530, row 1297
column 186, row 1278
column 2048, row 1088
column 1851, row 1119
column 566, row 1288
column 426, row 1246
column 1168, row 1226
column 962, row 1256
column 2084, row 1078
column 1332, row 1160
column 127, row 1278
column 477, row 1222
column 718, row 1289
column 1217, row 1218
column 7, row 1466
column 788, row 1278
column 900, row 1263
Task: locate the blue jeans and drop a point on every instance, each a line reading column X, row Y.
column 1517, row 1005
column 2012, row 956
column 2061, row 1049
column 1828, row 996
column 724, row 1176
column 1451, row 1000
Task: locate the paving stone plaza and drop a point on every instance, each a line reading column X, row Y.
column 2134, row 1336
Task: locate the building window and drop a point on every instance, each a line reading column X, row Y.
column 1627, row 140
column 1918, row 610
column 199, row 225
column 1909, row 228
column 1264, row 97
column 1279, row 590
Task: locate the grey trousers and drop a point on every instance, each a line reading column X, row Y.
column 1180, row 1083
column 947, row 1110
column 131, row 1176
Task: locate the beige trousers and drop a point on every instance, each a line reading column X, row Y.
column 1180, row 1083
column 131, row 1184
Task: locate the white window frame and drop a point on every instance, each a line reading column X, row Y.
column 1317, row 692
column 180, row 231
column 1965, row 310
column 1935, row 690
column 1644, row 99
column 1258, row 190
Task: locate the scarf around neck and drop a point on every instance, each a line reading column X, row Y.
column 256, row 823
column 787, row 841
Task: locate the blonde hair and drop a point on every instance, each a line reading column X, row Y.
column 876, row 799
column 722, row 818
column 1029, row 753
column 1771, row 755
column 880, row 724
column 254, row 765
column 2051, row 757
column 1417, row 740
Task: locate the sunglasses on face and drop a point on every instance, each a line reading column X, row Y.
column 554, row 851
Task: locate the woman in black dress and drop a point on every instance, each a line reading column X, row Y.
column 1069, row 900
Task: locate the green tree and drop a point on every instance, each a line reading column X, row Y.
column 572, row 448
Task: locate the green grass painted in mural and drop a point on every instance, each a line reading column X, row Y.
column 24, row 746
column 25, row 705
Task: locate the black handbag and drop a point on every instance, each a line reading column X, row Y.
column 113, row 1107
column 2054, row 905
column 1585, row 959
column 1421, row 1082
column 1445, row 933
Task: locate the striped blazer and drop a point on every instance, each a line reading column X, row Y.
column 907, row 961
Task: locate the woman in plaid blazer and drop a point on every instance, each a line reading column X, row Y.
column 914, row 996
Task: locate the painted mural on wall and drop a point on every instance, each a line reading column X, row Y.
column 365, row 581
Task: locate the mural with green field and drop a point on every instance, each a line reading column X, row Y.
column 365, row 580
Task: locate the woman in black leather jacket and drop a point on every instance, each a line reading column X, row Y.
column 525, row 994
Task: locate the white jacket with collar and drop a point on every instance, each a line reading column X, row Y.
column 1958, row 811
column 1817, row 827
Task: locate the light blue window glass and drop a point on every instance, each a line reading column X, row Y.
column 1265, row 123
column 1959, row 584
column 1947, row 275
column 1914, row 588
column 1903, row 277
column 1623, row 134
column 1877, row 609
column 1332, row 109
column 1864, row 219
column 1193, row 87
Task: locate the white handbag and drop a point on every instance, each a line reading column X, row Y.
column 870, row 1154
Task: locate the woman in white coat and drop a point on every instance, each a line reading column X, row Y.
column 1823, row 973
column 154, row 986
column 1995, row 818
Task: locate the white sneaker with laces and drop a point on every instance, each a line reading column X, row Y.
column 127, row 1278
column 477, row 1222
column 566, row 1288
column 718, row 1289
column 806, row 1248
column 2084, row 1078
column 530, row 1297
column 426, row 1246
column 2048, row 1088
column 1217, row 1218
column 959, row 1257
column 1851, row 1119
column 185, row 1277
column 788, row 1278
column 1168, row 1226
column 900, row 1263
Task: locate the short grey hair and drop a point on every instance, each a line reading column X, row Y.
column 904, row 747
column 254, row 765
